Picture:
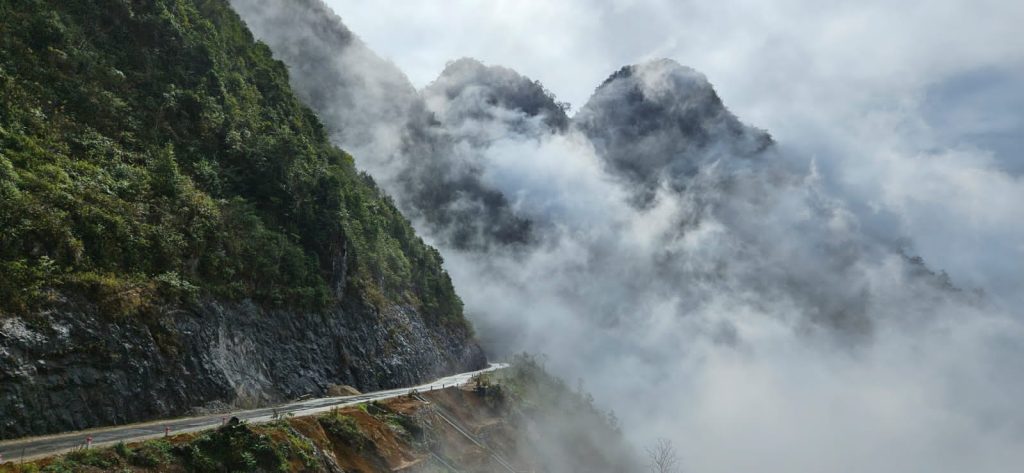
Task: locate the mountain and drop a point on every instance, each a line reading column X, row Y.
column 178, row 232
column 662, row 121
column 602, row 211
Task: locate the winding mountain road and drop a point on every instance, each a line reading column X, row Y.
column 36, row 447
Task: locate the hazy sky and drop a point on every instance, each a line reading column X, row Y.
column 757, row 53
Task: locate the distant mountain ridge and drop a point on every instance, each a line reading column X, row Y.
column 657, row 129
column 649, row 122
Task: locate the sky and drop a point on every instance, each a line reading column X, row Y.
column 747, row 48
column 705, row 318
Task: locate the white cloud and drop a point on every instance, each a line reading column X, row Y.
column 706, row 335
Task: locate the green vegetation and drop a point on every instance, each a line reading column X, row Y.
column 150, row 454
column 236, row 447
column 240, row 447
column 345, row 428
column 152, row 153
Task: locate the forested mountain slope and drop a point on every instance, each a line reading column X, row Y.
column 175, row 228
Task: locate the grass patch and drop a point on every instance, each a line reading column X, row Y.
column 151, row 454
column 344, row 428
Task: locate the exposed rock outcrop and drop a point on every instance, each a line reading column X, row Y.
column 71, row 368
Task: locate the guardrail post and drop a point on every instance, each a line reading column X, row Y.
column 88, row 442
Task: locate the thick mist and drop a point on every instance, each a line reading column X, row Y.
column 743, row 297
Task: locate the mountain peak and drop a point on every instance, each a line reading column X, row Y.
column 661, row 69
column 662, row 81
column 468, row 88
column 660, row 121
column 466, row 65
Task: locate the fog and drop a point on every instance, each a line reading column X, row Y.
column 824, row 281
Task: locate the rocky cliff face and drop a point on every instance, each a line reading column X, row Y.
column 71, row 368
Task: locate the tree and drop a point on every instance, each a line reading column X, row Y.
column 662, row 457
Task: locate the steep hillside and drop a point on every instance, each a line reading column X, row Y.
column 176, row 230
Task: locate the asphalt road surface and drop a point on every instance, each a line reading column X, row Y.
column 37, row 447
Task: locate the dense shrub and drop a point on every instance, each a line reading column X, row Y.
column 234, row 447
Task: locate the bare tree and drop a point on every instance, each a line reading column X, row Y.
column 662, row 457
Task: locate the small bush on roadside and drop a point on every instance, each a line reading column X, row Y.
column 94, row 457
column 152, row 453
column 234, row 447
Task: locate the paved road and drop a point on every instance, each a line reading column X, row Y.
column 36, row 447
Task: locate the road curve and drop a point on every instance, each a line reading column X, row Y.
column 36, row 447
